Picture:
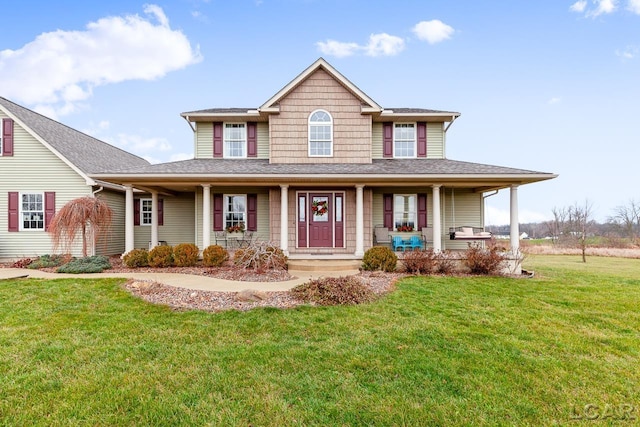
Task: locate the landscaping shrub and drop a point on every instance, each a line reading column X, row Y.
column 484, row 261
column 260, row 256
column 22, row 263
column 334, row 291
column 445, row 263
column 421, row 261
column 161, row 256
column 214, row 256
column 136, row 258
column 185, row 255
column 379, row 258
column 46, row 261
column 91, row 264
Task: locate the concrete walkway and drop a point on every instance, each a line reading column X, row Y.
column 188, row 281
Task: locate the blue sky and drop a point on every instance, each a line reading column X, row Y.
column 547, row 85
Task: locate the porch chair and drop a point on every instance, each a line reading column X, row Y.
column 246, row 239
column 221, row 237
column 415, row 243
column 381, row 236
column 427, row 235
column 398, row 244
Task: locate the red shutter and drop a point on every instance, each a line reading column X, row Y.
column 422, row 211
column 13, row 211
column 218, row 223
column 136, row 212
column 422, row 139
column 217, row 139
column 388, row 210
column 252, row 212
column 387, row 139
column 49, row 208
column 7, row 137
column 252, row 139
column 161, row 212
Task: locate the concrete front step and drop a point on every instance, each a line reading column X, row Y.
column 347, row 266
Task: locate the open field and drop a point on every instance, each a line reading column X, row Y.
column 438, row 351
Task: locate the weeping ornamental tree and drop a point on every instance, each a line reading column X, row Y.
column 89, row 217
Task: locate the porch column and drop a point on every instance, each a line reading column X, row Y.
column 515, row 231
column 206, row 216
column 437, row 231
column 284, row 219
column 359, row 221
column 128, row 219
column 154, row 219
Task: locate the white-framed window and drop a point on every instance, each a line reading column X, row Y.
column 235, row 140
column 31, row 211
column 235, row 212
column 404, row 140
column 320, row 134
column 145, row 211
column 1, row 133
column 405, row 212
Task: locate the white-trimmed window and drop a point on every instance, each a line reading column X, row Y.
column 235, row 211
column 405, row 212
column 146, row 211
column 320, row 134
column 235, row 140
column 404, row 140
column 31, row 211
column 1, row 133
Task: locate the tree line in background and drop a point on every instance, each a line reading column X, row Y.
column 573, row 225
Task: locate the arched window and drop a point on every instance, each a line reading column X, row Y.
column 320, row 134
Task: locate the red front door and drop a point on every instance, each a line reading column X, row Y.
column 320, row 220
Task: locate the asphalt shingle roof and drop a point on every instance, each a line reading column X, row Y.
column 377, row 167
column 88, row 154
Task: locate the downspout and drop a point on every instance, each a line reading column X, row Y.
column 195, row 136
column 444, row 142
column 93, row 246
column 484, row 197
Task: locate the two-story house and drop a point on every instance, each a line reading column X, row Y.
column 314, row 169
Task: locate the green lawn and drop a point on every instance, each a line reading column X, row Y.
column 438, row 351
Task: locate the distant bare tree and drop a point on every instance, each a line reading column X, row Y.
column 556, row 227
column 579, row 223
column 627, row 219
column 88, row 216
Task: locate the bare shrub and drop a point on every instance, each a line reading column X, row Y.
column 379, row 258
column 484, row 261
column 136, row 258
column 347, row 290
column 161, row 256
column 22, row 263
column 214, row 256
column 185, row 255
column 260, row 256
column 420, row 262
column 445, row 262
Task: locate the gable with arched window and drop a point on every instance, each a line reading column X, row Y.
column 320, row 134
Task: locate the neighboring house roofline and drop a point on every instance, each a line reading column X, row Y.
column 271, row 105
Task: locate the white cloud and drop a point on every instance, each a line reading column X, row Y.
column 434, row 31
column 384, row 44
column 554, row 100
column 579, row 6
column 634, row 6
column 601, row 7
column 628, row 52
column 338, row 49
column 58, row 70
column 381, row 44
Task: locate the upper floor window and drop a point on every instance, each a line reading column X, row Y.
column 1, row 134
column 235, row 140
column 320, row 134
column 32, row 211
column 404, row 140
